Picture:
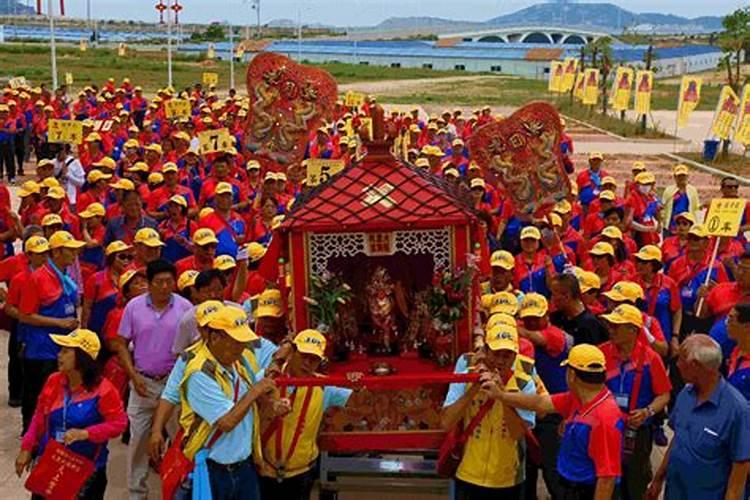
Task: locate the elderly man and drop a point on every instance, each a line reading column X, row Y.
column 710, row 452
column 678, row 198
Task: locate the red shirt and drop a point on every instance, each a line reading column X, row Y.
column 160, row 196
column 17, row 286
column 724, row 297
column 190, row 263
column 11, row 266
column 44, row 288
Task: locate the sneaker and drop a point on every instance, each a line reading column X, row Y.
column 660, row 438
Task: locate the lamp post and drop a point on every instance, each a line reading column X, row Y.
column 52, row 45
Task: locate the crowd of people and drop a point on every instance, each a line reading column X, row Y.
column 136, row 305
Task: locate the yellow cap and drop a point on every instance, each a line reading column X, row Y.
column 649, row 252
column 252, row 165
column 270, row 176
column 586, row 358
column 555, row 220
column 607, row 195
column 269, row 304
column 612, row 232
column 311, row 342
column 224, row 188
column 124, row 184
column 204, row 212
column 63, row 239
column 116, row 246
column 422, row 163
column 602, row 248
column 687, row 216
column 205, row 311
column 169, row 167
column 698, row 230
column 93, row 210
column 680, row 170
column 500, row 302
column 149, row 237
column 204, row 236
column 51, row 220
column 502, row 337
column 155, row 178
column 625, row 291
column 131, row 143
column 638, row 166
column 645, row 178
column 609, row 180
column 56, row 193
column 625, row 314
column 233, row 321
column 533, row 305
column 93, row 136
column 596, row 155
column 107, row 163
column 156, row 148
column 498, row 319
column 502, row 258
column 28, row 188
column 36, row 244
column 563, row 207
column 127, row 276
column 86, row 340
column 531, row 232
column 186, row 279
column 139, row 166
column 477, row 183
column 179, row 200
column 224, row 263
column 589, row 280
column 255, row 251
column 474, row 166
column 452, row 172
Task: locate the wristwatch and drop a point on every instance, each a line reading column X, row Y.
column 650, row 411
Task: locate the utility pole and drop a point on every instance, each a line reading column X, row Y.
column 52, row 46
column 231, row 56
column 169, row 45
column 649, row 59
column 257, row 13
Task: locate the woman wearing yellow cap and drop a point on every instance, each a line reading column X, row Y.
column 78, row 408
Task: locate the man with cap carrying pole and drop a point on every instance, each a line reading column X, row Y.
column 637, row 377
column 492, row 465
column 589, row 462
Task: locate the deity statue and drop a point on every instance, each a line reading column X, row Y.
column 381, row 303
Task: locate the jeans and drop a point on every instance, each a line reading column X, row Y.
column 35, row 372
column 236, row 482
column 296, row 487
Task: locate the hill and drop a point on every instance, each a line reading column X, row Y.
column 15, row 8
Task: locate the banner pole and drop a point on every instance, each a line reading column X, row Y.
column 708, row 274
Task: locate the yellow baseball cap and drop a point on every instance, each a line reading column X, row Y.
column 563, row 207
column 602, row 248
column 36, row 244
column 132, row 143
column 155, row 178
column 93, row 210
column 698, row 230
column 638, row 166
column 255, row 251
column 555, row 219
column 139, row 166
column 107, row 163
column 269, row 304
column 51, row 220
column 477, row 183
column 224, row 263
column 502, row 258
column 232, row 321
column 124, row 184
column 625, row 291
column 169, row 167
column 531, row 232
column 625, row 314
column 224, row 188
column 28, row 188
column 500, row 302
column 205, row 311
column 649, row 252
column 204, row 236
column 586, row 358
column 149, row 237
column 607, row 195
column 589, row 280
column 186, row 279
column 645, row 178
column 596, row 155
column 474, row 166
column 46, row 162
column 205, row 211
column 83, row 339
column 422, row 163
column 116, row 246
column 451, row 172
column 680, row 170
column 502, row 337
column 63, row 239
column 93, row 136
column 533, row 305
column 311, row 342
column 156, row 148
column 609, row 180
column 612, row 232
column 56, row 193
column 270, row 176
column 498, row 319
column 179, row 200
column 129, row 275
column 252, row 165
column 687, row 216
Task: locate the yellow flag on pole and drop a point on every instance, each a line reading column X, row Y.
column 623, row 86
column 578, row 93
column 570, row 72
column 644, row 87
column 556, row 69
column 690, row 96
column 743, row 121
column 726, row 113
column 591, row 86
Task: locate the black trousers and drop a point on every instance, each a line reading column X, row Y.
column 468, row 491
column 20, row 151
column 7, row 161
column 93, row 489
column 576, row 491
column 546, row 432
column 15, row 364
column 636, row 470
column 297, row 487
column 35, row 372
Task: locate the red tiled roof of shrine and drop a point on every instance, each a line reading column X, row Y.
column 381, row 194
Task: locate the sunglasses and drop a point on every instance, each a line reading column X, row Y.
column 124, row 256
column 730, row 186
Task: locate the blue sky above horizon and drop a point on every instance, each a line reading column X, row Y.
column 364, row 12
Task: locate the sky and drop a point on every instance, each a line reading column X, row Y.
column 363, row 12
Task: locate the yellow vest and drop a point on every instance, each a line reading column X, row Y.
column 196, row 430
column 492, row 458
column 275, row 463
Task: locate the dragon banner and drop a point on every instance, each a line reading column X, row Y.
column 287, row 101
column 523, row 152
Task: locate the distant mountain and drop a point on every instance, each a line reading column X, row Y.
column 15, row 8
column 289, row 23
column 400, row 23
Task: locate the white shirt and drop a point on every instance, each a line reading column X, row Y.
column 74, row 179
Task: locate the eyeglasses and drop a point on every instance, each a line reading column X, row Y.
column 730, row 186
column 124, row 256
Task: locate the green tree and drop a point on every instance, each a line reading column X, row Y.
column 733, row 40
column 599, row 53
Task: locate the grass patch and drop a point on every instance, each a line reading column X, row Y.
column 493, row 91
column 733, row 163
column 350, row 73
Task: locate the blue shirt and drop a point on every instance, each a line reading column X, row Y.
column 720, row 334
column 709, row 438
column 211, row 403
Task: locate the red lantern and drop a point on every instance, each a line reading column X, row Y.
column 161, row 8
column 177, row 8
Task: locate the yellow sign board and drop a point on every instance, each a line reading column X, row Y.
column 643, row 89
column 556, row 73
column 122, row 50
column 724, row 216
column 68, row 78
column 16, row 82
column 591, row 87
column 690, row 96
column 726, row 113
column 621, row 89
column 321, row 171
column 352, row 99
column 83, row 45
column 211, row 52
column 65, row 131
column 178, row 108
column 212, row 141
column 210, row 78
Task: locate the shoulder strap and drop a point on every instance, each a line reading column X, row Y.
column 637, row 381
column 218, row 432
column 476, row 420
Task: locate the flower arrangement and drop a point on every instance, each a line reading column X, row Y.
column 448, row 296
column 328, row 292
